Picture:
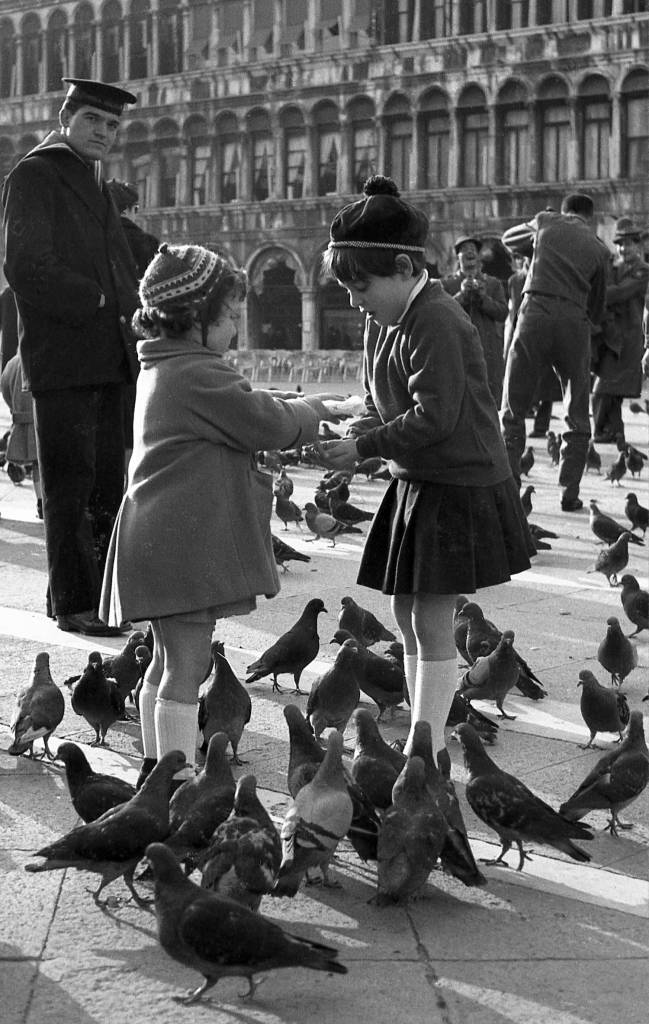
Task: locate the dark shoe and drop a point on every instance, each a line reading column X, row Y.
column 604, row 439
column 87, row 623
column 39, row 508
column 572, row 506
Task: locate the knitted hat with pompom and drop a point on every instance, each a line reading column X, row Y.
column 381, row 220
column 180, row 277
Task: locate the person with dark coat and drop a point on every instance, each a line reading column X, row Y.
column 70, row 268
column 142, row 245
column 483, row 298
column 564, row 295
column 618, row 357
column 8, row 326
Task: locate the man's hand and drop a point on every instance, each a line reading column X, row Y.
column 341, row 454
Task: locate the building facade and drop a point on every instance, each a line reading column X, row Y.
column 257, row 119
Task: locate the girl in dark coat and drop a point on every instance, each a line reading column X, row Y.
column 451, row 520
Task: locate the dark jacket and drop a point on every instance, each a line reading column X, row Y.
column 64, row 247
column 620, row 344
column 143, row 246
column 488, row 312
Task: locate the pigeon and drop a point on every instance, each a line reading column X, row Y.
column 38, row 711
column 221, row 938
column 456, row 856
column 617, row 470
column 283, row 486
column 637, row 514
column 379, row 678
column 507, row 806
column 461, row 627
column 376, row 765
column 112, row 845
column 318, row 818
column 92, row 793
column 602, row 709
column 635, row 460
column 368, row 467
column 413, row 832
column 527, row 460
column 554, row 447
column 593, row 459
column 96, row 698
column 635, row 603
column 362, row 623
column 537, row 533
column 243, row 858
column 612, row 560
column 16, row 473
column 224, row 704
column 293, row 651
column 526, row 499
column 285, row 553
column 345, row 512
column 143, row 658
column 461, row 711
column 541, row 532
column 288, row 511
column 492, row 677
column 338, row 480
column 483, row 637
column 335, row 693
column 605, row 528
column 618, row 778
column 321, row 497
column 201, row 803
column 324, row 526
column 123, row 667
column 616, row 653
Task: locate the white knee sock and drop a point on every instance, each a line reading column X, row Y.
column 410, row 670
column 435, row 685
column 148, row 695
column 176, row 728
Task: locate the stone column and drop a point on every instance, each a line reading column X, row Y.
column 309, row 325
column 99, row 52
column 155, row 40
column 310, row 159
column 616, row 167
column 453, row 149
column 43, row 62
column 126, row 48
column 19, row 66
column 491, row 143
column 344, row 175
column 277, row 189
column 573, row 142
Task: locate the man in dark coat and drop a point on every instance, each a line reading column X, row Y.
column 618, row 356
column 73, row 276
column 142, row 245
column 564, row 294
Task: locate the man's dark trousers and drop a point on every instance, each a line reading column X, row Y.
column 80, row 440
column 550, row 331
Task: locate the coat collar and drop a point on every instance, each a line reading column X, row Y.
column 75, row 173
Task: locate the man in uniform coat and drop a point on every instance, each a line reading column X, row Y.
column 72, row 273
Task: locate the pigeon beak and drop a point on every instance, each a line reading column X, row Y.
column 580, row 683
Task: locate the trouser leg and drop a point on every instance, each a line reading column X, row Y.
column 521, row 376
column 108, row 489
column 572, row 355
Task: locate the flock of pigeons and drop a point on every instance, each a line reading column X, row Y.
column 399, row 812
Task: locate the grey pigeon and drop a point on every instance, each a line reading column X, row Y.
column 411, row 839
column 482, row 638
column 526, row 500
column 593, row 458
column 368, row 467
column 335, row 693
column 113, row 845
column 321, row 497
column 493, row 676
column 635, row 460
column 612, row 560
column 376, row 765
column 507, row 806
column 637, row 514
column 224, row 704
column 461, row 627
column 92, row 793
column 602, row 709
column 201, row 803
column 244, row 854
column 324, row 526
column 605, row 528
column 293, row 651
column 221, row 938
column 318, row 818
column 345, row 512
column 461, row 711
column 123, row 667
column 284, row 553
column 554, row 447
column 381, row 679
column 362, row 623
column 283, row 486
column 38, row 711
column 617, row 470
column 618, row 778
column 96, row 698
column 635, row 602
column 527, row 461
column 288, row 511
column 616, row 653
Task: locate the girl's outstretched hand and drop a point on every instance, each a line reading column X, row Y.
column 341, row 454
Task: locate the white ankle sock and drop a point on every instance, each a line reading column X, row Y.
column 148, row 695
column 435, row 685
column 410, row 670
column 176, row 728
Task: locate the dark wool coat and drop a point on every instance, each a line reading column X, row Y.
column 64, row 247
column 143, row 246
column 488, row 313
column 193, row 530
column 620, row 346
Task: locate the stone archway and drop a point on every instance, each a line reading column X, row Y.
column 275, row 302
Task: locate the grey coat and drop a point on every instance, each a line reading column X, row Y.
column 620, row 345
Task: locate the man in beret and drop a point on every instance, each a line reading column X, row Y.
column 71, row 270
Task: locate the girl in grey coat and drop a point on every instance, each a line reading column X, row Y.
column 192, row 540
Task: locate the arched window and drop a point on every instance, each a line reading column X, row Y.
column 512, row 119
column 554, row 134
column 474, row 135
column 31, row 54
column 168, row 152
column 594, row 128
column 228, row 141
column 140, row 26
column 294, row 152
column 325, row 119
column 137, row 156
column 472, row 16
column 635, row 125
column 112, row 41
column 544, row 13
column 170, row 35
column 56, row 51
column 363, row 138
column 512, row 14
column 199, row 149
column 262, row 154
column 84, row 41
column 398, row 127
column 7, row 58
column 435, row 137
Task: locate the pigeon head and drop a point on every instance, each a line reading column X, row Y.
column 95, row 659
column 460, row 602
column 315, row 605
column 613, row 623
column 508, row 637
column 366, row 727
column 245, row 797
column 42, row 660
column 72, row 756
column 635, row 728
column 586, row 678
column 629, row 582
column 411, row 781
column 164, row 864
column 468, row 737
column 135, row 638
column 473, row 611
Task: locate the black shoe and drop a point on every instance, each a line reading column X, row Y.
column 604, row 439
column 39, row 508
column 572, row 506
column 87, row 623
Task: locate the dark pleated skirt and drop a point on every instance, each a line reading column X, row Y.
column 445, row 539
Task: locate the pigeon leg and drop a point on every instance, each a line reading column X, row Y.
column 590, row 744
column 195, row 995
column 296, row 679
column 329, row 881
column 276, row 687
column 141, row 901
column 253, row 986
column 614, row 824
column 48, row 752
column 522, row 855
column 235, row 759
column 503, row 714
column 500, row 859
